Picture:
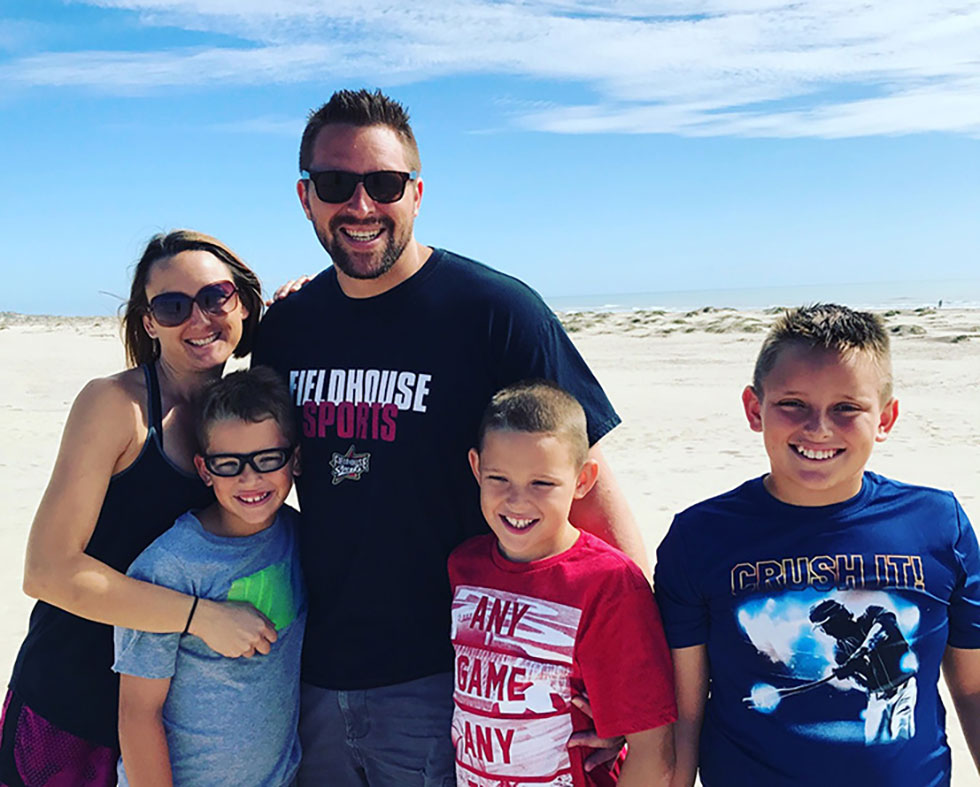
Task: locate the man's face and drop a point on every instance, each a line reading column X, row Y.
column 364, row 238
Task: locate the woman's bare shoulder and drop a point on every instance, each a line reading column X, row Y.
column 114, row 400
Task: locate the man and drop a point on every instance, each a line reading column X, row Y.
column 391, row 356
column 873, row 652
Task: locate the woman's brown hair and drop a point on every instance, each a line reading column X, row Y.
column 140, row 348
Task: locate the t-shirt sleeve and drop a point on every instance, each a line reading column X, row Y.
column 532, row 344
column 625, row 663
column 265, row 339
column 452, row 569
column 142, row 653
column 964, row 605
column 685, row 613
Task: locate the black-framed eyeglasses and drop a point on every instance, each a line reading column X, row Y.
column 338, row 185
column 171, row 309
column 267, row 460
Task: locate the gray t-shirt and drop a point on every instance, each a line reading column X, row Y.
column 228, row 721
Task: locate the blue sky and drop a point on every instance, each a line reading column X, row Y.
column 586, row 147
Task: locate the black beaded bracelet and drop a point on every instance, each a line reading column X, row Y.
column 190, row 617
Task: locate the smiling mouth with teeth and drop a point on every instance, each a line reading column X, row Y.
column 362, row 236
column 254, row 499
column 517, row 523
column 203, row 342
column 808, row 453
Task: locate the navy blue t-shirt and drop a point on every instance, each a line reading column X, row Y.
column 825, row 628
column 389, row 391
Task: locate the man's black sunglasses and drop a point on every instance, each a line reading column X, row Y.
column 338, row 185
column 267, row 460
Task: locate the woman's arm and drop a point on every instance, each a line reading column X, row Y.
column 142, row 738
column 100, row 428
column 691, row 685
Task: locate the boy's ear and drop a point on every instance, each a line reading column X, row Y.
column 297, row 461
column 753, row 408
column 202, row 469
column 889, row 414
column 586, row 479
column 474, row 457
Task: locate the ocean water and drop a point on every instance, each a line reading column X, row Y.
column 949, row 293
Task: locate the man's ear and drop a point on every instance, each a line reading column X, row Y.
column 753, row 408
column 202, row 469
column 417, row 196
column 586, row 479
column 303, row 192
column 889, row 415
column 474, row 457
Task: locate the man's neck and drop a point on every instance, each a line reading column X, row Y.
column 410, row 263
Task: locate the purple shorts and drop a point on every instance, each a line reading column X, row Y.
column 35, row 753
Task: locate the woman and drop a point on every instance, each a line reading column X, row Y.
column 123, row 473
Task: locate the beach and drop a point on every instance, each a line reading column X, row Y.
column 674, row 377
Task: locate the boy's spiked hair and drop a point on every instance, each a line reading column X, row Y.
column 359, row 108
column 538, row 406
column 827, row 326
column 253, row 396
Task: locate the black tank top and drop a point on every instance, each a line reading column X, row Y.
column 64, row 668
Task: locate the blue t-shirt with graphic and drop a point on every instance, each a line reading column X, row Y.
column 228, row 721
column 825, row 629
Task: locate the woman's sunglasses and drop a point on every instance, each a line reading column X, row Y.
column 171, row 309
column 338, row 185
column 267, row 460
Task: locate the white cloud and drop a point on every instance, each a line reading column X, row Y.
column 825, row 68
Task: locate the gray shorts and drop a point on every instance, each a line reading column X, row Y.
column 392, row 736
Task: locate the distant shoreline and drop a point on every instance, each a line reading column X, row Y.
column 945, row 325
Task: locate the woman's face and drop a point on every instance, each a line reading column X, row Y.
column 205, row 339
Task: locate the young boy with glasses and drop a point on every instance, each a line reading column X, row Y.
column 188, row 716
column 809, row 610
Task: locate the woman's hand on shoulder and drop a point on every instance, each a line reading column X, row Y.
column 232, row 628
column 101, row 428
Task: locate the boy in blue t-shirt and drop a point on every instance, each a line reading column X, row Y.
column 188, row 716
column 809, row 610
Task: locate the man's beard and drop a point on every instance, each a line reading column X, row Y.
column 348, row 264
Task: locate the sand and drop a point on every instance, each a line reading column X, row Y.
column 674, row 377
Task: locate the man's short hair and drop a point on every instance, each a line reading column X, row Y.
column 827, row 326
column 538, row 406
column 359, row 108
column 254, row 395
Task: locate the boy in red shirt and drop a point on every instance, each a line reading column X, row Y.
column 543, row 612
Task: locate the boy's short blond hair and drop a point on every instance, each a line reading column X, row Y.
column 538, row 406
column 827, row 326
